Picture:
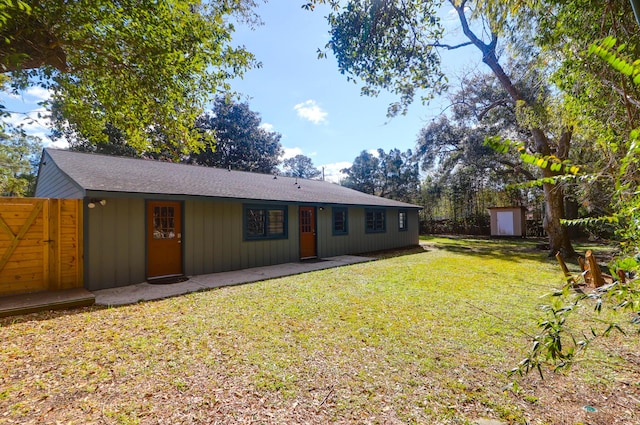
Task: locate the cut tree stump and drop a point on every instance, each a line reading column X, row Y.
column 568, row 276
column 593, row 276
column 591, row 272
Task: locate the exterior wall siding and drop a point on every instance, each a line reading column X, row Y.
column 214, row 239
column 115, row 244
column 53, row 183
column 358, row 240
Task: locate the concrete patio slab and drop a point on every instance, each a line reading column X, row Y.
column 146, row 292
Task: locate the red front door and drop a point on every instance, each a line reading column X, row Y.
column 164, row 238
column 307, row 232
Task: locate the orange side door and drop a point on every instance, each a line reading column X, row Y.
column 164, row 238
column 307, row 232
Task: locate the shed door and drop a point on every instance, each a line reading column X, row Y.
column 505, row 223
column 307, row 232
column 164, row 238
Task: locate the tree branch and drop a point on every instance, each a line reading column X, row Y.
column 486, row 110
column 564, row 143
column 516, row 168
column 31, row 44
column 450, row 47
column 488, row 53
column 622, row 93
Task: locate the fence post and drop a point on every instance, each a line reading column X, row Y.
column 54, row 244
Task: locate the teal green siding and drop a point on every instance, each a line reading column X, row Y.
column 115, row 244
column 358, row 240
column 213, row 239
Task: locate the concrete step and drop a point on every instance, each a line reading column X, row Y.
column 14, row 305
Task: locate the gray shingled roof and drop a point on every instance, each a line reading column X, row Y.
column 94, row 172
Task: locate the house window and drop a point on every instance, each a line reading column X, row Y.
column 163, row 223
column 402, row 220
column 375, row 221
column 265, row 222
column 340, row 223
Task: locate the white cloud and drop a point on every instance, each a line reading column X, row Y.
column 332, row 171
column 266, row 126
column 310, row 111
column 32, row 95
column 37, row 94
column 36, row 123
column 291, row 152
column 33, row 121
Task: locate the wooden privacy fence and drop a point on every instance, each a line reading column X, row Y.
column 40, row 245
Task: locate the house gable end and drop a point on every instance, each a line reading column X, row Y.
column 52, row 182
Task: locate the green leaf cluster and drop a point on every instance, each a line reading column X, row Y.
column 394, row 174
column 234, row 138
column 605, row 50
column 558, row 344
column 551, row 162
column 391, row 46
column 140, row 68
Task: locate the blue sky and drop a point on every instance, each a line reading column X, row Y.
column 316, row 110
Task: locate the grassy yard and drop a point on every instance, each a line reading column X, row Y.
column 423, row 337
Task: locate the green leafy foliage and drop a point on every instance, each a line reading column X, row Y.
column 392, row 174
column 394, row 46
column 626, row 180
column 19, row 154
column 140, row 68
column 300, row 166
column 605, row 50
column 231, row 134
column 551, row 162
column 234, row 138
column 559, row 343
column 361, row 176
column 466, row 176
column 391, row 46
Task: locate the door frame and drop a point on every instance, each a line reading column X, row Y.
column 314, row 225
column 147, row 204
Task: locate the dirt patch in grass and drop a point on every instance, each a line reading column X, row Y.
column 422, row 337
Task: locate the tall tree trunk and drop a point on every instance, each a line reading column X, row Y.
column 553, row 192
column 559, row 240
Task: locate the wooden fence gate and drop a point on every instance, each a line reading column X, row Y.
column 40, row 245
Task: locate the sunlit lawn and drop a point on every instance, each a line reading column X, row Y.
column 424, row 337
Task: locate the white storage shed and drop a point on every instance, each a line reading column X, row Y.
column 508, row 221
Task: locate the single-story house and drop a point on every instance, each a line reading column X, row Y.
column 147, row 219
